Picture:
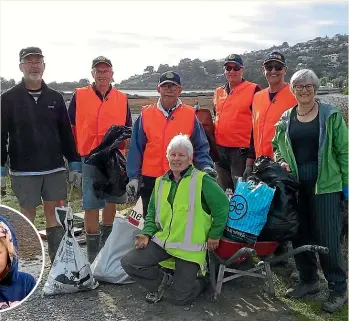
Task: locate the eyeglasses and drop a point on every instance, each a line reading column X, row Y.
column 32, row 63
column 270, row 67
column 230, row 68
column 308, row 87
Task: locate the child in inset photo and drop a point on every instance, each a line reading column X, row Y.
column 14, row 285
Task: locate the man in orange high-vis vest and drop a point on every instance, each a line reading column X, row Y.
column 153, row 131
column 93, row 110
column 233, row 123
column 270, row 103
column 268, row 106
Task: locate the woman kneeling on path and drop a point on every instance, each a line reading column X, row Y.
column 311, row 142
column 187, row 214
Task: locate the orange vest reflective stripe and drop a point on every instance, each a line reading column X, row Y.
column 266, row 114
column 94, row 117
column 159, row 132
column 233, row 115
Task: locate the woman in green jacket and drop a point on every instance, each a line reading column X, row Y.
column 187, row 214
column 311, row 142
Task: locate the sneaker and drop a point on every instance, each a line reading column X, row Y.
column 335, row 301
column 302, row 289
column 153, row 297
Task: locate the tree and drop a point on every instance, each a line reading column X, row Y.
column 163, row 68
column 149, row 69
column 84, row 82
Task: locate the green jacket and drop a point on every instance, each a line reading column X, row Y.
column 214, row 202
column 333, row 149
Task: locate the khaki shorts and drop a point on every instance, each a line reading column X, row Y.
column 30, row 190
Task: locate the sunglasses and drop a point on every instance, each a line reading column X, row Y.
column 270, row 67
column 230, row 68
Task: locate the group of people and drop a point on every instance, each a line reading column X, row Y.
column 170, row 168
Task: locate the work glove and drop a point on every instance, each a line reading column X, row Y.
column 3, row 177
column 247, row 172
column 345, row 192
column 132, row 188
column 75, row 175
column 210, row 171
column 248, row 169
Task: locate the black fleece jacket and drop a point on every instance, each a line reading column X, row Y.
column 35, row 135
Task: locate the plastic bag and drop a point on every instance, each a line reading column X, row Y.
column 70, row 271
column 136, row 216
column 248, row 211
column 282, row 221
column 107, row 267
column 111, row 178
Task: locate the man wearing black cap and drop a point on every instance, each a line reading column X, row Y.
column 268, row 106
column 35, row 135
column 93, row 110
column 152, row 132
column 233, row 123
column 270, row 103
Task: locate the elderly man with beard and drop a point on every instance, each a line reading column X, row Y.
column 152, row 132
column 92, row 111
column 35, row 135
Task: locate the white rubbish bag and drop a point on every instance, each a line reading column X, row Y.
column 107, row 265
column 70, row 271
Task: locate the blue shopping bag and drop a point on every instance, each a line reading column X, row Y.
column 248, row 211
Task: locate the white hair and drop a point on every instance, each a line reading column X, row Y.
column 180, row 141
column 305, row 75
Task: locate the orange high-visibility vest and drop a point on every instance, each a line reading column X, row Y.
column 233, row 115
column 159, row 132
column 266, row 114
column 94, row 117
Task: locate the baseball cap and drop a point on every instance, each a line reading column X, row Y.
column 170, row 77
column 235, row 59
column 30, row 51
column 275, row 56
column 100, row 59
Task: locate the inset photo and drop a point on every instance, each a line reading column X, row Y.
column 21, row 258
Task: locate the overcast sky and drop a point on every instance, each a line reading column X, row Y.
column 135, row 34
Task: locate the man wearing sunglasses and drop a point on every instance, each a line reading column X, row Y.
column 35, row 136
column 233, row 123
column 270, row 103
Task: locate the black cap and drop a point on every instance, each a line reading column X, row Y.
column 275, row 56
column 236, row 59
column 170, row 77
column 30, row 51
column 100, row 59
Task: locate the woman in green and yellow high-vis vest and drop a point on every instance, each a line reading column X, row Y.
column 186, row 216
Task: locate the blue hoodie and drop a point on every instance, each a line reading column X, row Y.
column 15, row 286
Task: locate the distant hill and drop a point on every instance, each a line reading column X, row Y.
column 328, row 57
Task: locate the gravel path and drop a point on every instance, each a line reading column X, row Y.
column 241, row 299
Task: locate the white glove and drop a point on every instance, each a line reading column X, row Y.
column 75, row 178
column 132, row 188
column 3, row 182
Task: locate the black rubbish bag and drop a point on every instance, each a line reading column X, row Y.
column 111, row 178
column 282, row 221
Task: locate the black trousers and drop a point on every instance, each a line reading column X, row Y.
column 320, row 223
column 145, row 192
column 231, row 164
column 142, row 266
